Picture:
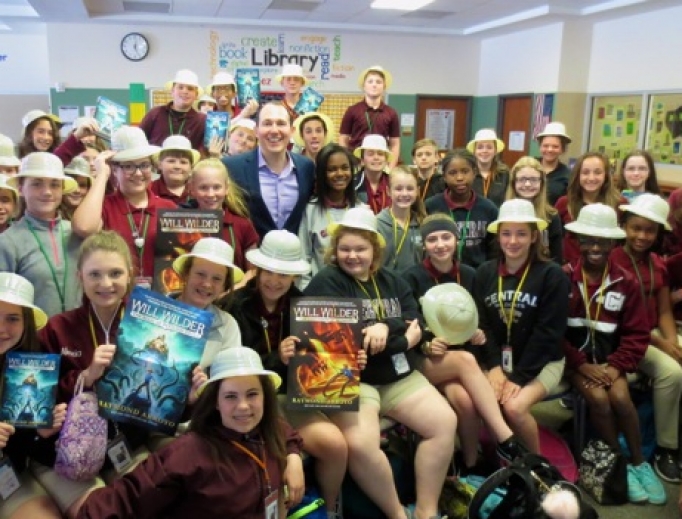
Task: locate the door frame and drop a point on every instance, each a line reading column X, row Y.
column 500, row 110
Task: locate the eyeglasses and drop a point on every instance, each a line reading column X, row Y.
column 590, row 241
column 222, row 89
column 130, row 169
column 533, row 181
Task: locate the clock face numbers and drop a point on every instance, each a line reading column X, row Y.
column 134, row 46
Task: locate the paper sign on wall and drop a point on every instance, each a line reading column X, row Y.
column 440, row 126
column 517, row 141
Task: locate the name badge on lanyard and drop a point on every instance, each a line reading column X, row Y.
column 9, row 482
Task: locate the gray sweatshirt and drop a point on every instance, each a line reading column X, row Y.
column 20, row 253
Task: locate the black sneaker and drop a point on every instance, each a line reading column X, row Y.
column 665, row 465
column 510, row 449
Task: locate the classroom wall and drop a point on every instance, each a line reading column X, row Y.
column 204, row 50
column 523, row 61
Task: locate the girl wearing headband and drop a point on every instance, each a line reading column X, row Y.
column 521, row 302
column 234, row 462
column 262, row 310
column 452, row 369
column 390, row 384
column 19, row 321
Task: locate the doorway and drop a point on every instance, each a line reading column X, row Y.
column 515, row 114
column 445, row 119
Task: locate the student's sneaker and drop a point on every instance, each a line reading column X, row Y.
column 636, row 492
column 510, row 449
column 651, row 484
column 666, row 467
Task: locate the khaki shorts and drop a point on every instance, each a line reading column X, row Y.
column 388, row 396
column 298, row 418
column 63, row 491
column 29, row 489
column 551, row 375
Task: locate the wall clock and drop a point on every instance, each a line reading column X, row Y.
column 134, row 46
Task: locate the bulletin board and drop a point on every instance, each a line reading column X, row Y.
column 615, row 124
column 664, row 128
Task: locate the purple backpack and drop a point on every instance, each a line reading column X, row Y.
column 82, row 444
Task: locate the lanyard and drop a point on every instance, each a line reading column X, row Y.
column 106, row 330
column 586, row 302
column 463, row 238
column 379, row 309
column 370, row 122
column 170, row 125
column 61, row 290
column 260, row 462
column 486, row 184
column 509, row 319
column 406, row 231
column 639, row 277
column 231, row 231
column 136, row 236
column 264, row 323
column 426, row 186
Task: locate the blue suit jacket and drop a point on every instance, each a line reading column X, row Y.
column 243, row 170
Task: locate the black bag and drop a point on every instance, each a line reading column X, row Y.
column 518, row 490
column 604, row 473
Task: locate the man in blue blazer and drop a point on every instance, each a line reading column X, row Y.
column 278, row 184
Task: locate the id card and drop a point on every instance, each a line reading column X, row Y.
column 119, row 454
column 507, row 359
column 144, row 282
column 9, row 482
column 272, row 505
column 400, row 363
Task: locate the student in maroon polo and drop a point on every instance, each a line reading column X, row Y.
column 132, row 210
column 372, row 115
column 175, row 162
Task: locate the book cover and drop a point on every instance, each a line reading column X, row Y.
column 217, row 124
column 160, row 341
column 309, row 101
column 29, row 389
column 110, row 116
column 248, row 85
column 324, row 373
column 177, row 230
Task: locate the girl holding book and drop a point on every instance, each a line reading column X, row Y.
column 20, row 319
column 528, row 181
column 262, row 310
column 212, row 189
column 132, row 211
column 391, row 385
column 235, row 461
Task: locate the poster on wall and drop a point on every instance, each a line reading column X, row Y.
column 321, row 56
column 615, row 125
column 440, row 126
column 664, row 128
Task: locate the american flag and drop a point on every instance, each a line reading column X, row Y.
column 544, row 103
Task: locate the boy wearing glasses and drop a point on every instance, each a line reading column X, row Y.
column 223, row 89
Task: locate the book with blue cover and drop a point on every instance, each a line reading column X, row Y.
column 29, row 389
column 309, row 101
column 217, row 124
column 160, row 342
column 110, row 116
column 248, row 85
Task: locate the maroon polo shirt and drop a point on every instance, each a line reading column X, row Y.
column 160, row 189
column 161, row 122
column 115, row 212
column 360, row 119
column 240, row 233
